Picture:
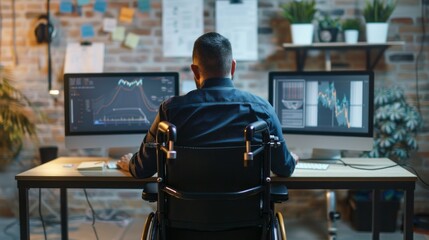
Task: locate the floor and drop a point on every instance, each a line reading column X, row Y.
column 126, row 228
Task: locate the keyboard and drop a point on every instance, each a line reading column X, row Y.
column 312, row 166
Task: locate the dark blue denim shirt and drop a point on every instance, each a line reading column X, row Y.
column 214, row 115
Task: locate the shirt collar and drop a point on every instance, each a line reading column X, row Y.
column 217, row 82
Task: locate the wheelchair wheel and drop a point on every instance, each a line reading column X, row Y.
column 148, row 227
column 281, row 226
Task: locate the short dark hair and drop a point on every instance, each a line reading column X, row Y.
column 214, row 53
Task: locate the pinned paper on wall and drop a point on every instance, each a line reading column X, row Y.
column 82, row 2
column 66, row 6
column 87, row 31
column 84, row 58
column 126, row 15
column 182, row 23
column 132, row 40
column 143, row 5
column 118, row 34
column 100, row 6
column 243, row 37
column 109, row 24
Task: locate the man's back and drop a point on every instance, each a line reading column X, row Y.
column 214, row 115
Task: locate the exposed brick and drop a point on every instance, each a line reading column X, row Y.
column 401, row 57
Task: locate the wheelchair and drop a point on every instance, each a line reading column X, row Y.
column 214, row 192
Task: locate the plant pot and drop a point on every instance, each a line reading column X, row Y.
column 351, row 36
column 328, row 34
column 302, row 33
column 376, row 32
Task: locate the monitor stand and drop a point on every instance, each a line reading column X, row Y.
column 325, row 154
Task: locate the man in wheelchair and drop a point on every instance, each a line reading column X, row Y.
column 212, row 116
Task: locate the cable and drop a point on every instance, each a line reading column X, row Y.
column 404, row 165
column 40, row 214
column 1, row 27
column 363, row 168
column 93, row 213
column 425, row 184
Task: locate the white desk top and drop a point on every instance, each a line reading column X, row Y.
column 64, row 168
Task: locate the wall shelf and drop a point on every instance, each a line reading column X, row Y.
column 301, row 51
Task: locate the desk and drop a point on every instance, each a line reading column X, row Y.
column 55, row 174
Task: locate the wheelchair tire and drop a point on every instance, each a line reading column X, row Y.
column 147, row 226
column 279, row 218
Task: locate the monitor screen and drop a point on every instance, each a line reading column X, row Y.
column 324, row 109
column 113, row 109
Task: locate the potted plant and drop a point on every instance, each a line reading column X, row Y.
column 376, row 14
column 328, row 28
column 351, row 28
column 15, row 119
column 300, row 15
column 395, row 127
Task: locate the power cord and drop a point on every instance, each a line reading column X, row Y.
column 93, row 214
column 404, row 165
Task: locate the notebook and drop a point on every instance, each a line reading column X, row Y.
column 91, row 165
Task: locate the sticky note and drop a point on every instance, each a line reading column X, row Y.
column 132, row 40
column 87, row 31
column 118, row 34
column 126, row 15
column 109, row 24
column 66, row 6
column 100, row 6
column 143, row 5
column 82, row 2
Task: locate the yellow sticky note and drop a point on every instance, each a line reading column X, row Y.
column 132, row 40
column 118, row 34
column 126, row 15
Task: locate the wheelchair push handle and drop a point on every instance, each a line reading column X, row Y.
column 167, row 133
column 249, row 132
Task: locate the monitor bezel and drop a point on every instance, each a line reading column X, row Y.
column 67, row 77
column 368, row 133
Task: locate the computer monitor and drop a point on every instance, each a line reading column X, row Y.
column 108, row 110
column 324, row 111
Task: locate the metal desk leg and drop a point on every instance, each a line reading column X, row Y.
column 64, row 214
column 376, row 214
column 24, row 222
column 408, row 216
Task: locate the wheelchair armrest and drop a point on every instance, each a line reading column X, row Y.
column 150, row 192
column 279, row 193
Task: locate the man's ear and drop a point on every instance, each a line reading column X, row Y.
column 233, row 65
column 195, row 70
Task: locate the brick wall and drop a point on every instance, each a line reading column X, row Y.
column 29, row 63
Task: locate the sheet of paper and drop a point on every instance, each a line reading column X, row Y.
column 91, row 165
column 82, row 2
column 182, row 24
column 66, row 6
column 126, row 15
column 84, row 58
column 132, row 40
column 100, row 6
column 109, row 24
column 143, row 5
column 239, row 23
column 118, row 34
column 87, row 31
